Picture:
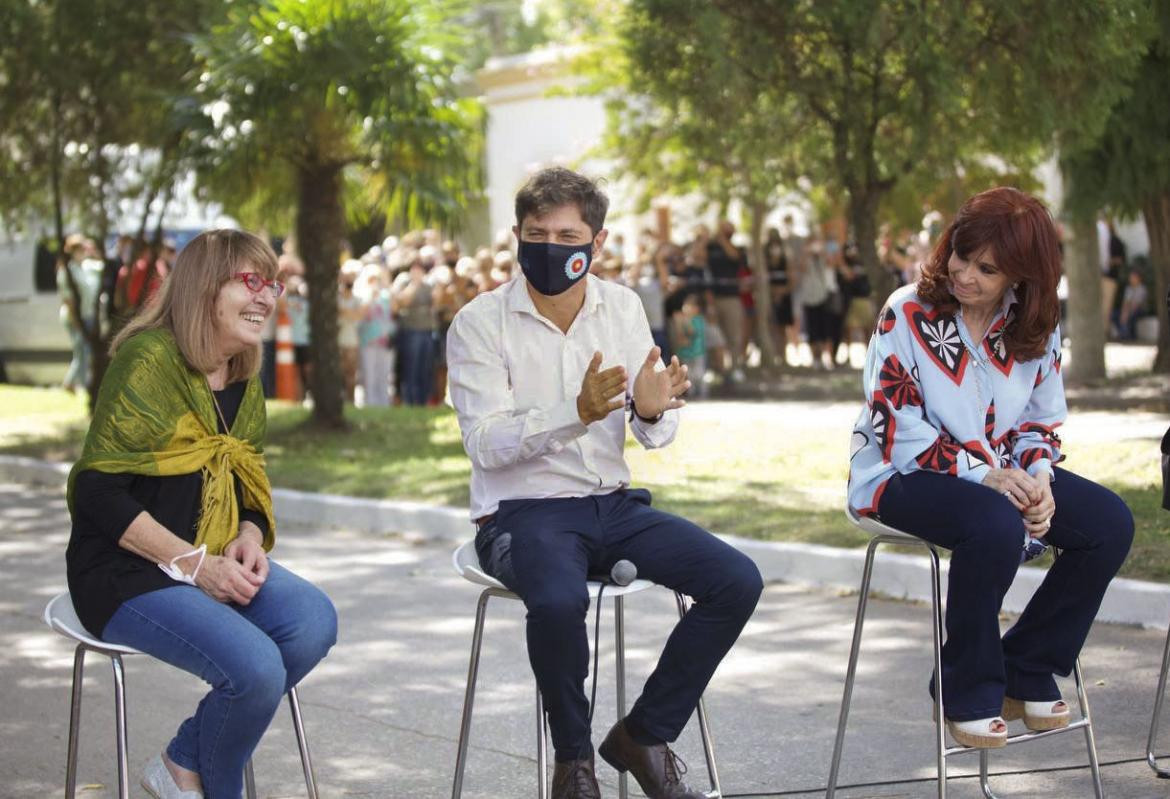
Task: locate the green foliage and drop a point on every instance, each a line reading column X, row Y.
column 365, row 85
column 683, row 119
column 511, row 27
column 945, row 188
column 896, row 85
column 88, row 97
column 1130, row 161
column 873, row 93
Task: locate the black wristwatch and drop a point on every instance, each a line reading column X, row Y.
column 634, row 412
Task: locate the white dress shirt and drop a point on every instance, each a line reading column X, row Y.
column 514, row 379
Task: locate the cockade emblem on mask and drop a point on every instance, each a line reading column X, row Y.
column 577, row 265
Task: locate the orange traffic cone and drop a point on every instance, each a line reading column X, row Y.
column 287, row 382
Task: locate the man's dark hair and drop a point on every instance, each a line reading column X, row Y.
column 556, row 186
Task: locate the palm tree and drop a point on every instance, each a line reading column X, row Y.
column 308, row 95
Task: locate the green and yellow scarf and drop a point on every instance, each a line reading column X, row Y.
column 155, row 416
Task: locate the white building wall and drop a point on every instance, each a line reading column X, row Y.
column 535, row 120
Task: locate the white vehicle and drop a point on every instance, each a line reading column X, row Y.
column 34, row 345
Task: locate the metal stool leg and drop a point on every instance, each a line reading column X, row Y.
column 542, row 778
column 294, row 705
column 1090, row 739
column 851, row 670
column 619, row 635
column 937, row 625
column 704, row 730
column 1159, row 700
column 984, row 775
column 469, row 696
column 249, row 780
column 1090, row 742
column 74, row 722
column 120, row 723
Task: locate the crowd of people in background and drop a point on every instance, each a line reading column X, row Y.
column 396, row 301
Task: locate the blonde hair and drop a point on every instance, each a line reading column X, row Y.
column 185, row 305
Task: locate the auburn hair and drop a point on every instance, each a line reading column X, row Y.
column 1018, row 232
column 185, row 305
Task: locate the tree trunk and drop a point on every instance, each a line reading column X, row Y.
column 97, row 335
column 1157, row 215
column 761, row 290
column 55, row 177
column 320, row 226
column 863, row 207
column 157, row 237
column 1086, row 328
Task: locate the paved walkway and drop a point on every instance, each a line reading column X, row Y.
column 383, row 711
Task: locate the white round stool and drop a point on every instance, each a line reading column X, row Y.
column 466, row 563
column 62, row 618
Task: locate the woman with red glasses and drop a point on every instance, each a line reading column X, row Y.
column 172, row 514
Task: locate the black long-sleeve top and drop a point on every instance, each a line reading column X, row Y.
column 102, row 575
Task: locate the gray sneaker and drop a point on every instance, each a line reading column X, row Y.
column 158, row 782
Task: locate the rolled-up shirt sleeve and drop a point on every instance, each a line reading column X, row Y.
column 106, row 502
column 495, row 433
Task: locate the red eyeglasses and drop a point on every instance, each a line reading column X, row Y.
column 256, row 283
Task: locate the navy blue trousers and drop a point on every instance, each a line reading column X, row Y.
column 1093, row 528
column 543, row 550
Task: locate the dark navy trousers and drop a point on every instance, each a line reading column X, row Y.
column 543, row 550
column 1092, row 527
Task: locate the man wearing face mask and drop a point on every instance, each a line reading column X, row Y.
column 544, row 373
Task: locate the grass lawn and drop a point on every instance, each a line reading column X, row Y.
column 762, row 470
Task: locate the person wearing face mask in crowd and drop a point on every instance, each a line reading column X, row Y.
column 78, row 283
column 375, row 335
column 413, row 305
column 726, row 262
column 545, row 372
column 349, row 315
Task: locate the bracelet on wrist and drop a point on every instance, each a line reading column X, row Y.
column 646, row 419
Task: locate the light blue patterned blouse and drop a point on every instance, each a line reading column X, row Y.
column 937, row 400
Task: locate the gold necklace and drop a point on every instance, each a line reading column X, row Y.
column 218, row 409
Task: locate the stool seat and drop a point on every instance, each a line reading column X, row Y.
column 872, row 526
column 466, row 563
column 62, row 618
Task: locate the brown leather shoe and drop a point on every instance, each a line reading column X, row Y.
column 574, row 779
column 657, row 769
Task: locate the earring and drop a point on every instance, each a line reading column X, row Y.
column 1015, row 285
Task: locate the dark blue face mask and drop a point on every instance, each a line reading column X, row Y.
column 554, row 268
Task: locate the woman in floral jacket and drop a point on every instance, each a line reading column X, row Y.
column 957, row 445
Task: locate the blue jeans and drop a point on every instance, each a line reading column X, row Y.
column 250, row 655
column 543, row 550
column 984, row 531
column 417, row 350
